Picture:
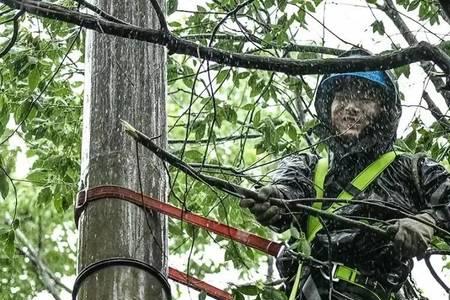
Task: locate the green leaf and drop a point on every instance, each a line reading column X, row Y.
column 175, row 24
column 172, row 6
column 257, row 119
column 248, row 106
column 403, row 70
column 58, row 204
column 413, row 5
column 260, row 148
column 423, row 10
column 194, row 155
column 202, row 295
column 270, row 293
column 38, row 176
column 410, row 140
column 243, row 75
column 378, row 26
column 33, row 79
column 4, row 229
column 292, row 132
column 4, row 184
column 310, row 7
column 222, row 76
column 230, row 114
column 15, row 224
column 304, row 245
column 9, row 244
column 250, row 290
column 199, row 128
column 282, row 4
column 238, row 296
column 45, row 195
column 295, row 233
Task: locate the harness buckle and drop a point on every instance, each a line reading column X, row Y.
column 334, row 267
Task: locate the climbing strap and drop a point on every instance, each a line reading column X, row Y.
column 357, row 185
column 352, row 276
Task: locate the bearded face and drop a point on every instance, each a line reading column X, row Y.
column 352, row 110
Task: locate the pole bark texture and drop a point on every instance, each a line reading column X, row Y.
column 126, row 80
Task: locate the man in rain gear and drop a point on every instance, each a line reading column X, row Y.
column 358, row 114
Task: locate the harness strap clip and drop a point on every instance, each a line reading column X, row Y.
column 333, row 272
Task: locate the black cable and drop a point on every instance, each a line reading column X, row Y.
column 13, row 39
column 428, row 255
column 147, row 211
column 120, row 261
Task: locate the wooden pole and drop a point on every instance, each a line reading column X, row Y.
column 125, row 79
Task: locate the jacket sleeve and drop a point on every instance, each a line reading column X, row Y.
column 293, row 177
column 295, row 173
column 435, row 190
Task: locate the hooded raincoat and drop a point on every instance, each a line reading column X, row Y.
column 413, row 183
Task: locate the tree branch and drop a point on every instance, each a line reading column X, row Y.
column 229, row 169
column 100, row 12
column 434, row 110
column 445, row 5
column 46, row 276
column 422, row 51
column 222, row 139
column 390, row 10
column 236, row 190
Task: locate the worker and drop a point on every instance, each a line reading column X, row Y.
column 407, row 195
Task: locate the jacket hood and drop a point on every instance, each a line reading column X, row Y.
column 380, row 135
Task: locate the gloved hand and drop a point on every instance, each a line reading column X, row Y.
column 412, row 237
column 264, row 212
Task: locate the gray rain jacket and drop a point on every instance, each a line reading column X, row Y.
column 413, row 183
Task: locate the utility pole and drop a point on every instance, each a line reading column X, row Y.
column 126, row 80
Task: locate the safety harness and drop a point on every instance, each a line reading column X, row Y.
column 313, row 225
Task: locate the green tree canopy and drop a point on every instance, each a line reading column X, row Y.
column 232, row 117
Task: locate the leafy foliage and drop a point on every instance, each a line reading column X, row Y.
column 237, row 122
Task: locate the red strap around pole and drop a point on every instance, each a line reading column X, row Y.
column 199, row 285
column 245, row 238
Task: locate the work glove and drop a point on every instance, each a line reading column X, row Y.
column 264, row 212
column 412, row 237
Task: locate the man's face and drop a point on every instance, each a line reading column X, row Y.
column 353, row 110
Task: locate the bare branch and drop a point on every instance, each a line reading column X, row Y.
column 226, row 169
column 434, row 110
column 223, row 20
column 422, row 51
column 47, row 277
column 390, row 10
column 237, row 190
column 100, row 12
column 445, row 5
column 223, row 139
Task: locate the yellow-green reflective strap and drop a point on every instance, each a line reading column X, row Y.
column 296, row 282
column 319, row 179
column 361, row 182
column 346, row 273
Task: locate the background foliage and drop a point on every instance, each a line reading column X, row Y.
column 232, row 123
